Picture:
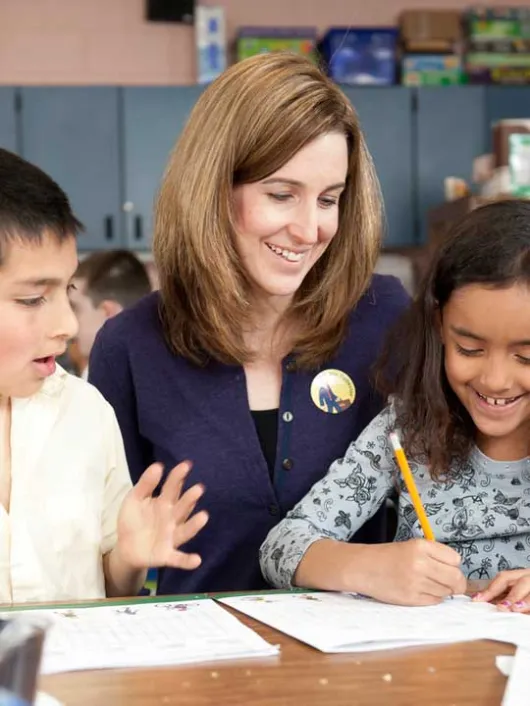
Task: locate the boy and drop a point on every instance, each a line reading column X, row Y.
column 71, row 527
column 105, row 284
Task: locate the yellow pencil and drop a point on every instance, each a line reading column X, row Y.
column 411, row 486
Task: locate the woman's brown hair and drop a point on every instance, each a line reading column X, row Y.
column 490, row 247
column 245, row 126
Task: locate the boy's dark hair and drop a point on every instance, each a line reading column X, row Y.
column 114, row 275
column 31, row 204
column 490, row 246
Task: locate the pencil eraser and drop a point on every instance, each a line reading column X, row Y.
column 394, row 440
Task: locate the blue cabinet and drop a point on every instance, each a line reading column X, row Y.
column 386, row 120
column 108, row 147
column 8, row 131
column 72, row 133
column 153, row 118
column 450, row 131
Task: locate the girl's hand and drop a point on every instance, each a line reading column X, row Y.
column 417, row 572
column 514, row 588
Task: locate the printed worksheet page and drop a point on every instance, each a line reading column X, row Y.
column 342, row 622
column 142, row 635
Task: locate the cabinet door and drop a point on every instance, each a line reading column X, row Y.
column 450, row 133
column 8, row 132
column 504, row 103
column 386, row 120
column 153, row 119
column 72, row 133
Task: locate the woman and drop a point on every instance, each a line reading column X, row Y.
column 267, row 230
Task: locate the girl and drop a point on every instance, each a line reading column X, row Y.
column 461, row 405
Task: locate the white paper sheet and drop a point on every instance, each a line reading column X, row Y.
column 142, row 635
column 516, row 692
column 504, row 664
column 43, row 699
column 339, row 622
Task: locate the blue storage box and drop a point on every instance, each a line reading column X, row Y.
column 361, row 57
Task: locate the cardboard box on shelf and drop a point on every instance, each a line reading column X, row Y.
column 431, row 31
column 498, row 30
column 259, row 40
column 432, row 70
column 508, row 69
column 498, row 45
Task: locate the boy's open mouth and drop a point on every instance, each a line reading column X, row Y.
column 46, row 365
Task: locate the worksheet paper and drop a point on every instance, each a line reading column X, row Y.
column 143, row 635
column 342, row 622
column 43, row 699
column 516, row 692
column 504, row 664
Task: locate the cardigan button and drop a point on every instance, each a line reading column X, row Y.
column 287, row 464
column 274, row 509
column 291, row 366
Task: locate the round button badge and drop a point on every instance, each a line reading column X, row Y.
column 333, row 391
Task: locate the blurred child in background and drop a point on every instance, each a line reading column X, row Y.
column 106, row 283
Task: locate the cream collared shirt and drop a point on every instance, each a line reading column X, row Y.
column 69, row 477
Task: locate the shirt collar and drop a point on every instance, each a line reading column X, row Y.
column 52, row 387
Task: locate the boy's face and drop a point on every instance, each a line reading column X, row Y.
column 89, row 317
column 36, row 319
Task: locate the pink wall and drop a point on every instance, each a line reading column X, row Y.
column 108, row 41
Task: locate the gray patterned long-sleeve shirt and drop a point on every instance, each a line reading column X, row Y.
column 482, row 509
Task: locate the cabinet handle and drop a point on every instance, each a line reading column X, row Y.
column 109, row 228
column 138, row 229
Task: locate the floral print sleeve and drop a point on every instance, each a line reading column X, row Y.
column 337, row 506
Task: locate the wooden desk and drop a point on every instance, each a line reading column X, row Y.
column 454, row 675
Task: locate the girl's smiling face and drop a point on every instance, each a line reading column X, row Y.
column 486, row 337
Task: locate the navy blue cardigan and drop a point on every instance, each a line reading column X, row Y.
column 170, row 410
